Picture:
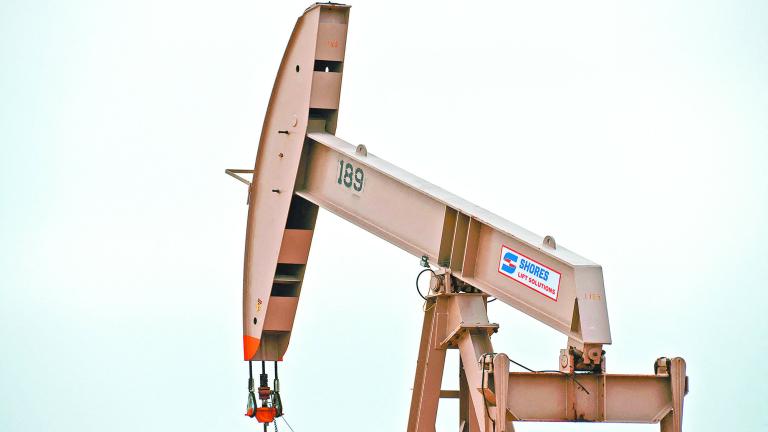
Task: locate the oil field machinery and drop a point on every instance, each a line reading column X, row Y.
column 471, row 254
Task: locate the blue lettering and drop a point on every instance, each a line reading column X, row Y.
column 532, row 268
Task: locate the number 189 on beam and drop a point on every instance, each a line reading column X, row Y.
column 350, row 177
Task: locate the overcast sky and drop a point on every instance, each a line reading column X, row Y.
column 635, row 133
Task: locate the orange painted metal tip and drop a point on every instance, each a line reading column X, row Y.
column 250, row 346
column 266, row 414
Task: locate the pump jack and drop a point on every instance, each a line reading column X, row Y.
column 471, row 253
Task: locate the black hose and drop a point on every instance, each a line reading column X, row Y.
column 417, row 281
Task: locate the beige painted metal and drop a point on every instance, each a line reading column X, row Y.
column 532, row 396
column 280, row 225
column 426, row 220
column 429, row 368
column 301, row 166
column 597, row 398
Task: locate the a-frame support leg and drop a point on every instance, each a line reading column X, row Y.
column 429, row 369
column 473, row 343
column 673, row 422
column 471, row 347
column 456, row 321
column 467, row 418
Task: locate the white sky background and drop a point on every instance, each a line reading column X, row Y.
column 634, row 133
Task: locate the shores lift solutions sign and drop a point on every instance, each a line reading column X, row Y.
column 529, row 272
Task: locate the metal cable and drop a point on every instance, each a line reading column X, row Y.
column 417, row 281
column 572, row 376
column 482, row 381
column 251, row 405
column 286, row 423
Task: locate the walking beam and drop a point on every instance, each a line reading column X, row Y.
column 481, row 249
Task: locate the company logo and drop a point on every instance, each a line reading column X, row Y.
column 529, row 272
column 508, row 262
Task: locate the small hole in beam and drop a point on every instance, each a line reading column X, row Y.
column 297, row 68
column 255, row 320
column 327, row 66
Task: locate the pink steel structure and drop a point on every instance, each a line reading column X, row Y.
column 301, row 166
